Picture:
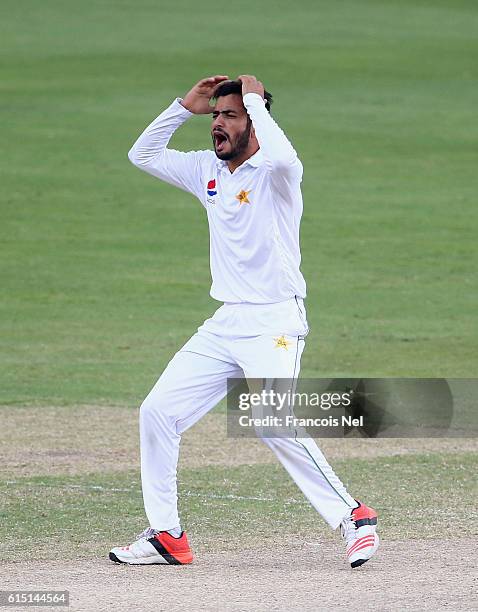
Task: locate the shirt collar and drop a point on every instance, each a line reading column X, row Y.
column 255, row 161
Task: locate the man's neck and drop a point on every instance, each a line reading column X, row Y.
column 232, row 164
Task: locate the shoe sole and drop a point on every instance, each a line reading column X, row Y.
column 157, row 560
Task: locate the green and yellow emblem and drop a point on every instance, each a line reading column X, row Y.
column 282, row 343
column 242, row 196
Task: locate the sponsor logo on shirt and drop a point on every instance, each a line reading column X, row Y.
column 211, row 188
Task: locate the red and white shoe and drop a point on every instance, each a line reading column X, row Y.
column 359, row 531
column 154, row 547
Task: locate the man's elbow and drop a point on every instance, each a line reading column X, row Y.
column 143, row 159
column 133, row 157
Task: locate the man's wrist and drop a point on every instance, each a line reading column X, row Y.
column 186, row 110
column 252, row 98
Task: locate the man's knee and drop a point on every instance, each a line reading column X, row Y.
column 270, row 441
column 280, row 442
column 153, row 408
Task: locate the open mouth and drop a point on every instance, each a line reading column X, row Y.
column 220, row 140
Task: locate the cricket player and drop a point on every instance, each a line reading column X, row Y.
column 250, row 189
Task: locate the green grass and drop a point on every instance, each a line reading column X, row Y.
column 224, row 508
column 104, row 271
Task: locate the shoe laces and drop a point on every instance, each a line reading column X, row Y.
column 149, row 532
column 348, row 528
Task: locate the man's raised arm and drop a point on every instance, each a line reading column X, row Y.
column 150, row 153
column 279, row 154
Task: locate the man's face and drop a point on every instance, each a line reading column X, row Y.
column 231, row 127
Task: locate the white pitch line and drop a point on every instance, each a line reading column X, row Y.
column 229, row 496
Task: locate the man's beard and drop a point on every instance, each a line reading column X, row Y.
column 238, row 147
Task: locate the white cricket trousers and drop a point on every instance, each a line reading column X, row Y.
column 239, row 340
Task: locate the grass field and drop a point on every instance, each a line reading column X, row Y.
column 105, row 271
column 104, row 274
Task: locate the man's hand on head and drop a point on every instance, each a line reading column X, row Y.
column 197, row 99
column 251, row 85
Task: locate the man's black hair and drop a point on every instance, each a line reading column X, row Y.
column 235, row 87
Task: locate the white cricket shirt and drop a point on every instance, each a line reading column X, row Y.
column 254, row 213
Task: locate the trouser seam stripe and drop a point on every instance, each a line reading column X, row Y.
column 303, row 446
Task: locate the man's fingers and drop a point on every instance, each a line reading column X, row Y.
column 250, row 84
column 246, row 77
column 214, row 79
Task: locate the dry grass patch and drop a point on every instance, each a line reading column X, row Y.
column 82, row 439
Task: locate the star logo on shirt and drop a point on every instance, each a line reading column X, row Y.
column 282, row 343
column 242, row 196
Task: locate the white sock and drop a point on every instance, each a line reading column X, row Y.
column 176, row 532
